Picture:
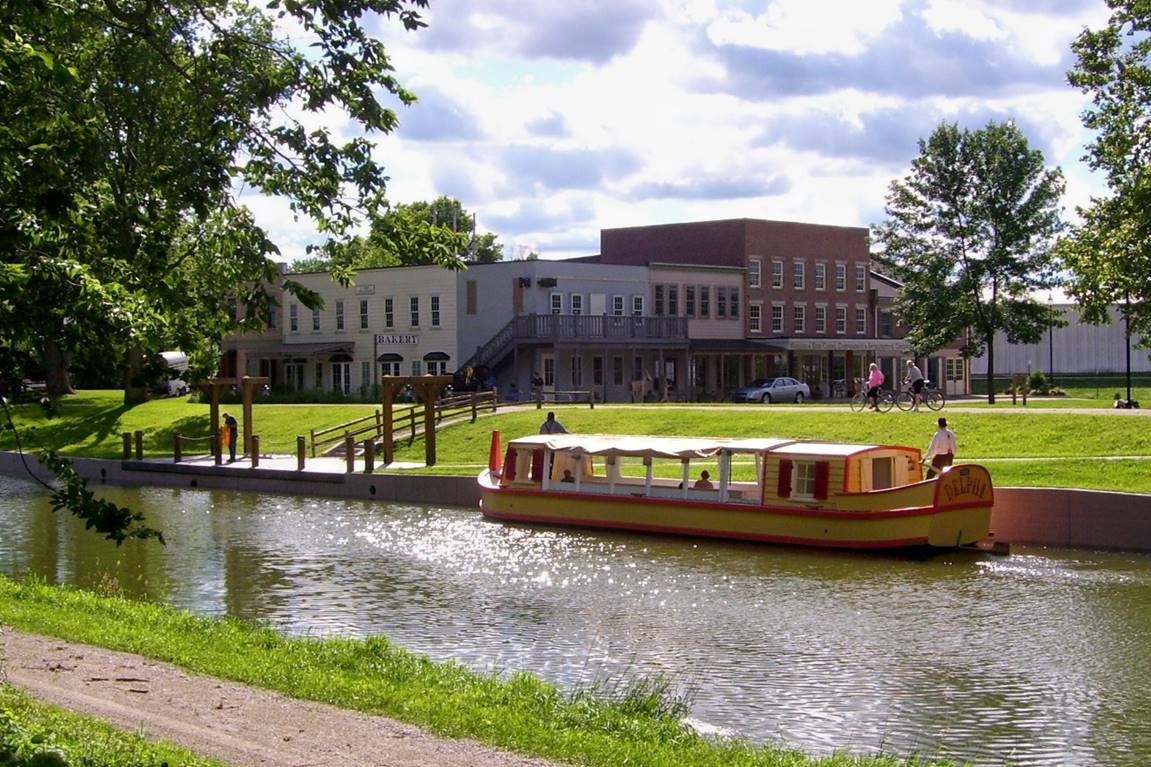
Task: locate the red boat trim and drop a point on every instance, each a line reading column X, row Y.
column 895, row 543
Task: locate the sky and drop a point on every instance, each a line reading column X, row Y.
column 553, row 120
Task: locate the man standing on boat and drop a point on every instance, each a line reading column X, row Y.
column 552, row 426
column 941, row 451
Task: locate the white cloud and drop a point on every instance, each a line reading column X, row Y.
column 808, row 26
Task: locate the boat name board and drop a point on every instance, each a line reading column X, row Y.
column 961, row 485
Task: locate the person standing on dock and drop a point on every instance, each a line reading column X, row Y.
column 941, row 451
column 552, row 426
column 231, row 429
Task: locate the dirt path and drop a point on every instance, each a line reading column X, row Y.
column 224, row 720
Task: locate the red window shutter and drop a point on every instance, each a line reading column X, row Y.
column 537, row 465
column 822, row 474
column 784, row 488
column 510, row 464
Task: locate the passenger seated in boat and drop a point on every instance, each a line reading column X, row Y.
column 568, row 476
column 704, row 481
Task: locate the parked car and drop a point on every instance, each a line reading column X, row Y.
column 781, row 389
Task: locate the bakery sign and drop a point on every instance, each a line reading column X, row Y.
column 397, row 339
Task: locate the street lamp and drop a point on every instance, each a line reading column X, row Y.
column 1050, row 347
column 1127, row 334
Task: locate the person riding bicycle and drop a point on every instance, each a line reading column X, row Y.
column 915, row 378
column 874, row 382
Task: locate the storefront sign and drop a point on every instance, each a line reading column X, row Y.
column 397, row 339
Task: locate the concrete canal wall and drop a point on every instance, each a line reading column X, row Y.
column 1060, row 517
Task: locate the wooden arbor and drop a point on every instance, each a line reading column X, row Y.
column 214, row 387
column 429, row 388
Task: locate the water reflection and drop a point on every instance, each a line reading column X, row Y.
column 1032, row 659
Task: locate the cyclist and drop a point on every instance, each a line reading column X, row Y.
column 874, row 381
column 915, row 378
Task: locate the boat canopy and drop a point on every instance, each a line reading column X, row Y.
column 683, row 448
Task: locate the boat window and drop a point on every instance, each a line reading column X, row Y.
column 881, row 473
column 803, row 479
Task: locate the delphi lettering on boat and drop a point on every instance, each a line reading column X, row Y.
column 960, row 484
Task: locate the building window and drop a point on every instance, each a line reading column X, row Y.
column 577, row 370
column 777, row 318
column 754, row 267
column 860, row 277
column 414, row 311
column 689, row 300
column 860, row 320
column 363, row 314
column 799, row 317
column 389, row 313
column 659, row 300
column 597, row 371
column 754, row 317
column 720, row 302
column 617, row 306
column 365, row 374
column 577, row 303
column 390, row 368
column 885, row 324
column 319, row 382
column 232, row 311
column 953, row 368
column 272, row 314
column 704, row 301
column 821, row 276
column 637, row 306
column 733, row 307
column 841, row 277
column 777, row 275
column 294, row 318
column 841, row 319
column 799, row 275
column 821, row 319
column 294, row 375
column 673, row 300
column 557, row 303
column 435, row 311
column 316, row 319
column 339, row 315
column 417, row 367
column 617, row 371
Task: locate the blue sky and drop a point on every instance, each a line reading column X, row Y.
column 552, row 120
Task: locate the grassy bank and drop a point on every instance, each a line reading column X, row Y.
column 1041, row 445
column 37, row 735
column 638, row 725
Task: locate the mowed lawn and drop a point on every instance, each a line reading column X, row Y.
column 1041, row 445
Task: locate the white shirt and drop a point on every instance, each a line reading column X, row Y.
column 914, row 373
column 942, row 442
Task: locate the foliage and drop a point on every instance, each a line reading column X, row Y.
column 414, row 234
column 128, row 127
column 969, row 233
column 115, row 523
column 1109, row 254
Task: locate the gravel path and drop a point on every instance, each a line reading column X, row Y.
column 226, row 721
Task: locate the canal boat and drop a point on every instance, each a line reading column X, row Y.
column 795, row 492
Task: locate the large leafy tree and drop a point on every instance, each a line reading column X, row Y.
column 969, row 232
column 410, row 234
column 1109, row 253
column 130, row 124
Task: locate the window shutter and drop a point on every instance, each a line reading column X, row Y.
column 822, row 473
column 537, row 474
column 784, row 488
column 510, row 464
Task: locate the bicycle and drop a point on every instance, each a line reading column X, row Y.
column 883, row 402
column 930, row 396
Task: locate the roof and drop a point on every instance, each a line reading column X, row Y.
column 683, row 448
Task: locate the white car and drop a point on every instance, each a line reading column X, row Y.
column 780, row 389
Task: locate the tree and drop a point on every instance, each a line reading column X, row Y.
column 970, row 232
column 1109, row 252
column 130, row 123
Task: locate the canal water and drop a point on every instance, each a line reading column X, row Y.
column 1039, row 658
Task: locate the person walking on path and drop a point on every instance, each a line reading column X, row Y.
column 552, row 426
column 915, row 378
column 231, row 429
column 941, row 451
column 874, row 381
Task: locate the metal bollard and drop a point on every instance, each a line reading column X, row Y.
column 177, row 448
column 369, row 456
column 350, row 453
column 301, row 452
column 255, row 450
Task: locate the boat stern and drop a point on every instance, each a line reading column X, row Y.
column 963, row 500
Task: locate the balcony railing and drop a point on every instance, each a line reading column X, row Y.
column 581, row 327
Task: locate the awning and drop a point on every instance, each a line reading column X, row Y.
column 732, row 346
column 436, row 357
column 315, row 349
column 390, row 357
